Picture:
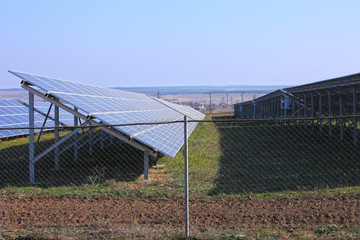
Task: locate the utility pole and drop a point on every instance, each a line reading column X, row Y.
column 231, row 101
column 158, row 94
column 242, row 96
column 210, row 100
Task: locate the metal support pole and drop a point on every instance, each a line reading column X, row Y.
column 186, row 178
column 305, row 111
column 312, row 108
column 299, row 110
column 44, row 124
column 354, row 113
column 320, row 111
column 57, row 164
column 48, row 98
column 90, row 141
column 254, row 116
column 76, row 123
column 341, row 114
column 293, row 109
column 146, row 165
column 274, row 109
column 285, row 113
column 266, row 110
column 329, row 113
column 31, row 139
column 53, row 146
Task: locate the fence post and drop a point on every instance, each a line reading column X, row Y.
column 186, row 178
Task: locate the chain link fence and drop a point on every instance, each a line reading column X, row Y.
column 248, row 179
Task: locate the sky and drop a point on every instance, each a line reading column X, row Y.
column 180, row 43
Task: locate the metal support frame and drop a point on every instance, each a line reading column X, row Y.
column 84, row 143
column 305, row 110
column 355, row 131
column 285, row 113
column 33, row 159
column 312, row 108
column 49, row 98
column 299, row 109
column 329, row 113
column 254, row 113
column 75, row 142
column 293, row 109
column 110, row 131
column 341, row 113
column 92, row 139
column 90, row 142
column 320, row 112
column 58, row 143
column 44, row 123
column 56, row 152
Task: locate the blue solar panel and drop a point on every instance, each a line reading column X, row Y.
column 112, row 106
column 15, row 115
column 42, row 107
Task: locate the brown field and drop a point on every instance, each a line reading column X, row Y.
column 207, row 214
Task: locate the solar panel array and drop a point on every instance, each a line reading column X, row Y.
column 15, row 115
column 65, row 118
column 112, row 106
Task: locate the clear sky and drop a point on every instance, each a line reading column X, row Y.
column 196, row 42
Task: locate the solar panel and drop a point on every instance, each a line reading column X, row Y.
column 112, row 106
column 42, row 107
column 14, row 115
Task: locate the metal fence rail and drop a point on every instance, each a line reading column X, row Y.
column 246, row 179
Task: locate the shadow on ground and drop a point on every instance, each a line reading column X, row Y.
column 104, row 160
column 259, row 157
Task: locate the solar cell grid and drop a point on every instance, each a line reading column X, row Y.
column 185, row 110
column 112, row 106
column 65, row 118
column 14, row 115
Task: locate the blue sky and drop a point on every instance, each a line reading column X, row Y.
column 172, row 43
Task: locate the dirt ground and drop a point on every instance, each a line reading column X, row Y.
column 22, row 211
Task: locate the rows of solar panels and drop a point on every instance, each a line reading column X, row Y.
column 44, row 107
column 111, row 106
column 14, row 115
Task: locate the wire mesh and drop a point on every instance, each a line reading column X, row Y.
column 248, row 179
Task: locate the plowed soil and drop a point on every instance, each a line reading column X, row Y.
column 22, row 211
